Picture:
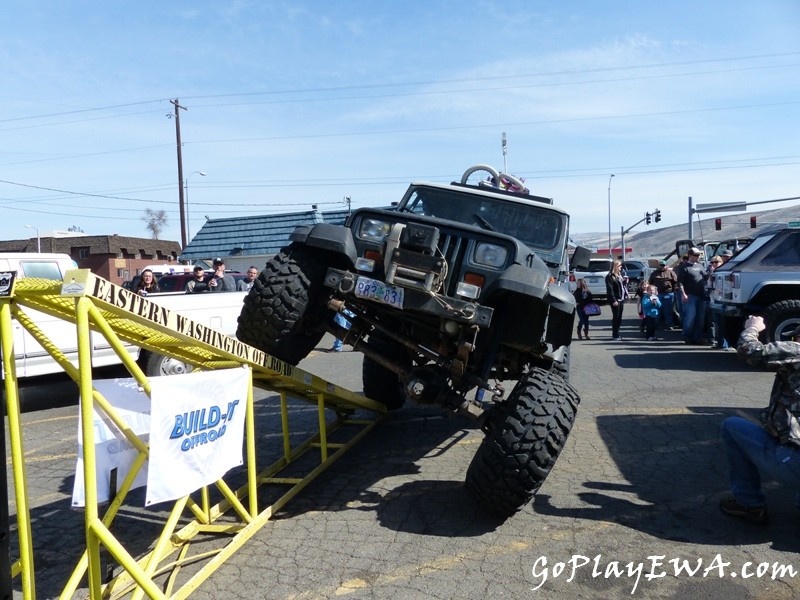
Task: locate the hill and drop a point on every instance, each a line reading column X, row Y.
column 659, row 242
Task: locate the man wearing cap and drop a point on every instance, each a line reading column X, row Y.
column 665, row 281
column 221, row 281
column 692, row 290
column 771, row 449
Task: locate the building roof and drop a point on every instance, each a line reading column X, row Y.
column 97, row 245
column 262, row 235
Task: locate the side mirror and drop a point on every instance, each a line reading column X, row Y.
column 580, row 259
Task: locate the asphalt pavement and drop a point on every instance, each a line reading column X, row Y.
column 629, row 510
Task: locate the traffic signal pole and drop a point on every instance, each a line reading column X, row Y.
column 656, row 214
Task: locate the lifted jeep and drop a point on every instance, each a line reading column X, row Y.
column 458, row 288
column 762, row 279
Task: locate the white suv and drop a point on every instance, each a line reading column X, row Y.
column 595, row 276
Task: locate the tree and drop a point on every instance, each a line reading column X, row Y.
column 76, row 229
column 155, row 221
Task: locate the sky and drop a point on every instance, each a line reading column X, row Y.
column 291, row 104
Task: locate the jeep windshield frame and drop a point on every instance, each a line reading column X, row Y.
column 542, row 228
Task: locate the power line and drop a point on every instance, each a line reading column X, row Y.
column 514, row 76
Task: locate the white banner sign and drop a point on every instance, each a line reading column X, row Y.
column 196, row 431
column 112, row 449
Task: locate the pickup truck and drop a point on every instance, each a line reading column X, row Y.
column 218, row 311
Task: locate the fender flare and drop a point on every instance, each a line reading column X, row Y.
column 534, row 284
column 331, row 238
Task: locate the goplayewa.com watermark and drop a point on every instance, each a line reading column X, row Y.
column 654, row 567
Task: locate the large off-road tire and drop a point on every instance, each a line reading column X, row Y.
column 381, row 384
column 285, row 311
column 781, row 318
column 524, row 437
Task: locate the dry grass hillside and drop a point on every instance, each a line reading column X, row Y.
column 661, row 241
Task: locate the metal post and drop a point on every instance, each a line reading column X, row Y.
column 188, row 220
column 622, row 240
column 38, row 239
column 691, row 214
column 5, row 529
column 609, row 214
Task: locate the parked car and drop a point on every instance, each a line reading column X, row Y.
column 637, row 270
column 595, row 276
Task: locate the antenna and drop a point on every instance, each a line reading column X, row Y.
column 505, row 153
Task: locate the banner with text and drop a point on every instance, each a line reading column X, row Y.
column 196, row 431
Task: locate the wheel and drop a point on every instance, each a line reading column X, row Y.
column 285, row 311
column 633, row 286
column 781, row 318
column 524, row 437
column 480, row 175
column 381, row 384
column 158, row 364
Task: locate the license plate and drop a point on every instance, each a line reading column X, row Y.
column 379, row 292
column 593, row 280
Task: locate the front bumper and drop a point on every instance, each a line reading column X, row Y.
column 418, row 301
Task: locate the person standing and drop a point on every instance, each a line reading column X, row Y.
column 582, row 297
column 692, row 290
column 650, row 310
column 773, row 448
column 718, row 339
column 616, row 293
column 665, row 280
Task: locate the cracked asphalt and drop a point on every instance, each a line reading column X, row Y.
column 640, row 477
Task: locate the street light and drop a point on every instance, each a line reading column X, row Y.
column 186, row 187
column 609, row 214
column 38, row 239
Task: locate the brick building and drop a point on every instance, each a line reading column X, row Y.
column 113, row 257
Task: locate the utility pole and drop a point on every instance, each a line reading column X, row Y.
column 178, row 108
column 504, row 143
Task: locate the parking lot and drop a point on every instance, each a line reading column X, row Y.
column 640, row 477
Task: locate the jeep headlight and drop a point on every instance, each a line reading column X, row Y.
column 374, row 230
column 490, row 255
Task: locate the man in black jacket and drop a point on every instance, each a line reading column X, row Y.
column 692, row 291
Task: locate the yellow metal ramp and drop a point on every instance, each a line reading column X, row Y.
column 231, row 515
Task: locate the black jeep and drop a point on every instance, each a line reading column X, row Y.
column 458, row 288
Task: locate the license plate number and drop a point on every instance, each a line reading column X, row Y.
column 379, row 292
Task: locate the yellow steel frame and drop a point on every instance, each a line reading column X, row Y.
column 122, row 317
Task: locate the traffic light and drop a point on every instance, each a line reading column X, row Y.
column 752, row 222
column 647, row 218
column 717, row 224
column 658, row 215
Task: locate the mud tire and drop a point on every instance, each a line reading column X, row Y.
column 781, row 318
column 524, row 437
column 285, row 311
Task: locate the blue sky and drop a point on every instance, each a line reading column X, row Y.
column 298, row 103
